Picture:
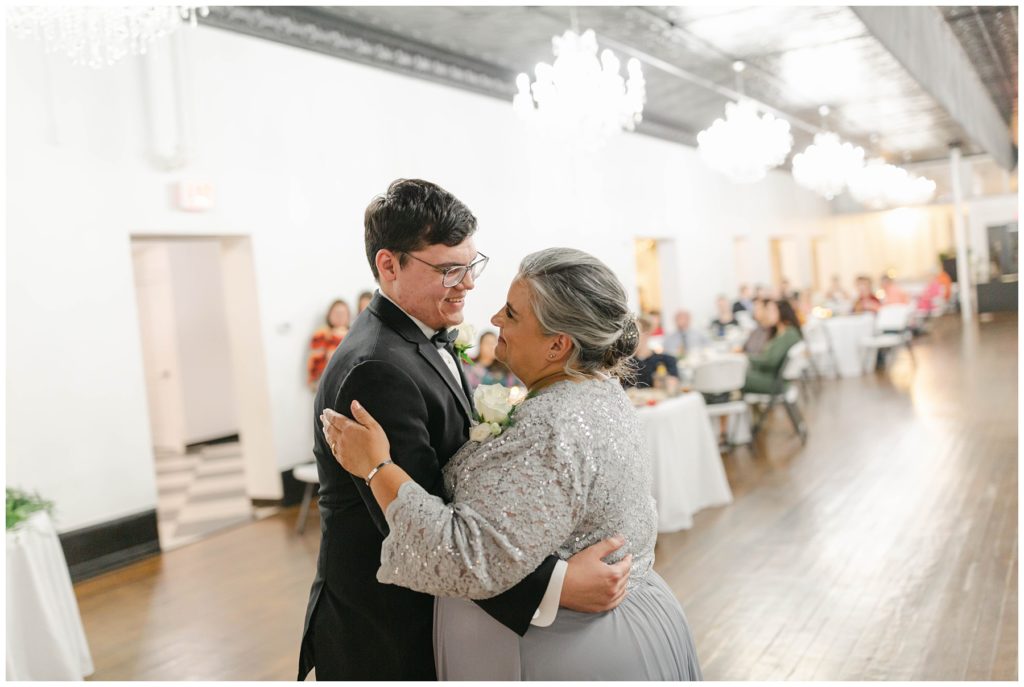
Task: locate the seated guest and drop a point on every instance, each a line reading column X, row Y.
column 725, row 317
column 759, row 337
column 836, row 293
column 647, row 361
column 744, row 302
column 364, row 300
column 656, row 329
column 865, row 300
column 786, row 290
column 486, row 369
column 925, row 300
column 785, row 331
column 801, row 302
column 326, row 340
column 947, row 284
column 684, row 340
column 893, row 293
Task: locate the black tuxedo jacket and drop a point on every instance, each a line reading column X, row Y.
column 374, row 631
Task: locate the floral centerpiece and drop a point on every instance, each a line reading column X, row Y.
column 21, row 505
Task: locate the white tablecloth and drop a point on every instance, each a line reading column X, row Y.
column 45, row 638
column 687, row 467
column 845, row 334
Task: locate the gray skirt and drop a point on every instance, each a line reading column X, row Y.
column 645, row 638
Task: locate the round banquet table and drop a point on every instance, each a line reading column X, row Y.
column 45, row 638
column 845, row 333
column 686, row 466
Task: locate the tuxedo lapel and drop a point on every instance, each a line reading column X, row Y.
column 429, row 353
column 465, row 386
column 391, row 315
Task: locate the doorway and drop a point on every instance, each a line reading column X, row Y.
column 784, row 262
column 822, row 265
column 657, row 276
column 194, row 332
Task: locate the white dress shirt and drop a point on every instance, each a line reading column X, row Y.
column 548, row 609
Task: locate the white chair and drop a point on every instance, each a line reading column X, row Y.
column 891, row 330
column 305, row 473
column 798, row 364
column 784, row 391
column 819, row 345
column 723, row 375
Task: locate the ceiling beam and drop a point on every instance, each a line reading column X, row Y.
column 314, row 29
column 921, row 40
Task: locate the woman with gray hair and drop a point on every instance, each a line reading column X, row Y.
column 567, row 470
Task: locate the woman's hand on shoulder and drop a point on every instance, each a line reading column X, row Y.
column 358, row 445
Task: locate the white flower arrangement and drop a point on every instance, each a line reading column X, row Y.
column 495, row 405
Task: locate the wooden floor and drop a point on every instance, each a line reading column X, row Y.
column 885, row 549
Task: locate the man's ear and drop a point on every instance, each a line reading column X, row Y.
column 387, row 265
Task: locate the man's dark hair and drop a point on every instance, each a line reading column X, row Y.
column 411, row 215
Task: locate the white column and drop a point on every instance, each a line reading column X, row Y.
column 963, row 266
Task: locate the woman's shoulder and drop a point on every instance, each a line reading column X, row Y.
column 559, row 402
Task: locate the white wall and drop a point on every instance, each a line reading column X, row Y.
column 295, row 143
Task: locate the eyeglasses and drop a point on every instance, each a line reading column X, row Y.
column 453, row 276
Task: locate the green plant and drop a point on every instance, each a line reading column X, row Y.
column 21, row 504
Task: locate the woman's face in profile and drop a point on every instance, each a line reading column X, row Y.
column 771, row 314
column 521, row 344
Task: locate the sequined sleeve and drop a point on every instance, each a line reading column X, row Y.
column 516, row 499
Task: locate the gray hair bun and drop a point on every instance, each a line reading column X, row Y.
column 574, row 293
column 626, row 345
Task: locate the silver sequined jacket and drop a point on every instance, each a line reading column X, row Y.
column 570, row 471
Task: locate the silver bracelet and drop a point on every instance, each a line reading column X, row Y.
column 376, row 470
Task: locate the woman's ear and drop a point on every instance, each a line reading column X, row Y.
column 560, row 348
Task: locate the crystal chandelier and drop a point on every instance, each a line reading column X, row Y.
column 878, row 185
column 581, row 95
column 744, row 145
column 99, row 36
column 825, row 166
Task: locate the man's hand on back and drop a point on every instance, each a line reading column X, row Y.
column 593, row 586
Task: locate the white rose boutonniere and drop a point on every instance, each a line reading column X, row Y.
column 464, row 341
column 494, row 406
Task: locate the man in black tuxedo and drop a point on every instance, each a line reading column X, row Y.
column 398, row 361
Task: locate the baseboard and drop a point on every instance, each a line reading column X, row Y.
column 94, row 550
column 229, row 439
column 98, row 549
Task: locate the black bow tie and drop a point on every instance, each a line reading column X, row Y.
column 443, row 338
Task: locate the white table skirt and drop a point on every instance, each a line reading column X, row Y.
column 687, row 468
column 845, row 334
column 45, row 638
